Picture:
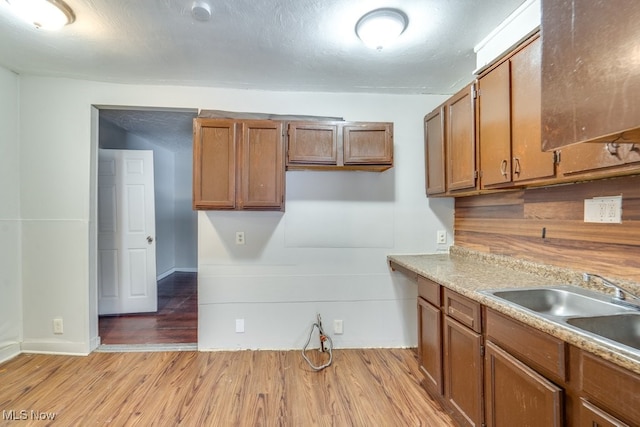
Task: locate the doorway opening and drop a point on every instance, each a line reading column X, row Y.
column 168, row 134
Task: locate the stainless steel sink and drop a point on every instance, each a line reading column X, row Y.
column 621, row 328
column 584, row 311
column 560, row 301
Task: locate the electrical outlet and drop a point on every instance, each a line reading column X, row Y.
column 239, row 237
column 239, row 326
column 58, row 327
column 603, row 209
column 337, row 327
column 441, row 237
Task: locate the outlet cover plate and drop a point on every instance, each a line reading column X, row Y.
column 603, row 210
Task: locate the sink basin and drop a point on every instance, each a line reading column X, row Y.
column 560, row 301
column 621, row 328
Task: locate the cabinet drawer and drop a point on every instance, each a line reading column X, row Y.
column 615, row 389
column 541, row 351
column 592, row 416
column 463, row 309
column 429, row 290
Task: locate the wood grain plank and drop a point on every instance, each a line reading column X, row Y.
column 512, row 224
column 362, row 387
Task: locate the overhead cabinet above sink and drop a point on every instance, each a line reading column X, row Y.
column 590, row 72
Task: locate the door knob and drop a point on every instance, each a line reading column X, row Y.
column 149, row 239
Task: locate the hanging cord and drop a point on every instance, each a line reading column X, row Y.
column 325, row 345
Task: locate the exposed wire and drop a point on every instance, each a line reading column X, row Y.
column 326, row 345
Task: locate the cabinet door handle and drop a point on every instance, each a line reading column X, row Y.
column 516, row 168
column 503, row 168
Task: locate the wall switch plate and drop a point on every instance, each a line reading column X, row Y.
column 603, row 209
column 441, row 237
column 239, row 326
column 337, row 327
column 239, row 237
column 58, row 327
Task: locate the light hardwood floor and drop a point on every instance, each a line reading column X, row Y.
column 372, row 387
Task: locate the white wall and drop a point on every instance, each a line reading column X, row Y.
column 518, row 25
column 281, row 277
column 10, row 228
column 185, row 218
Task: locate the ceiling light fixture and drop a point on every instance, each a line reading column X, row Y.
column 380, row 27
column 45, row 14
column 201, row 10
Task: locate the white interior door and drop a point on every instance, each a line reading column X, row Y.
column 126, row 232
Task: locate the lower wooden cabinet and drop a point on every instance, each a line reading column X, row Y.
column 516, row 395
column 592, row 416
column 430, row 344
column 463, row 371
column 487, row 368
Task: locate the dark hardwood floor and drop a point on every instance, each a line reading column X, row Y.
column 176, row 321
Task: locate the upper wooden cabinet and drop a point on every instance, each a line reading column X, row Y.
column 590, row 78
column 460, row 137
column 313, row 143
column 238, row 164
column 509, row 120
column 434, row 151
column 340, row 145
column 599, row 160
column 450, row 146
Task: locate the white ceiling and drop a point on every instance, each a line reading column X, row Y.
column 288, row 45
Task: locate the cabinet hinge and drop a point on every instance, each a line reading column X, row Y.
column 476, row 174
column 557, row 157
column 481, row 351
column 475, row 93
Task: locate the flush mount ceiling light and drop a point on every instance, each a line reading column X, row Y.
column 45, row 14
column 201, row 10
column 380, row 27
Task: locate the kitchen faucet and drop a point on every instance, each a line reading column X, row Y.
column 620, row 294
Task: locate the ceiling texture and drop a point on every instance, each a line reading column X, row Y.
column 280, row 45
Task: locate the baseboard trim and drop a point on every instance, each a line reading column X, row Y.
column 176, row 270
column 62, row 348
column 136, row 348
column 9, row 351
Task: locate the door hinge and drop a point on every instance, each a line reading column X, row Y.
column 557, row 157
column 481, row 351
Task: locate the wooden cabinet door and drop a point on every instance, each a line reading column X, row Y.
column 262, row 165
column 494, row 121
column 598, row 158
column 461, row 140
column 463, row 371
column 435, row 178
column 592, row 416
column 368, row 143
column 529, row 162
column 516, row 395
column 214, row 164
column 313, row 142
column 589, row 87
column 430, row 344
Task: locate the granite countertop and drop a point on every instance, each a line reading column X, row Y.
column 468, row 272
